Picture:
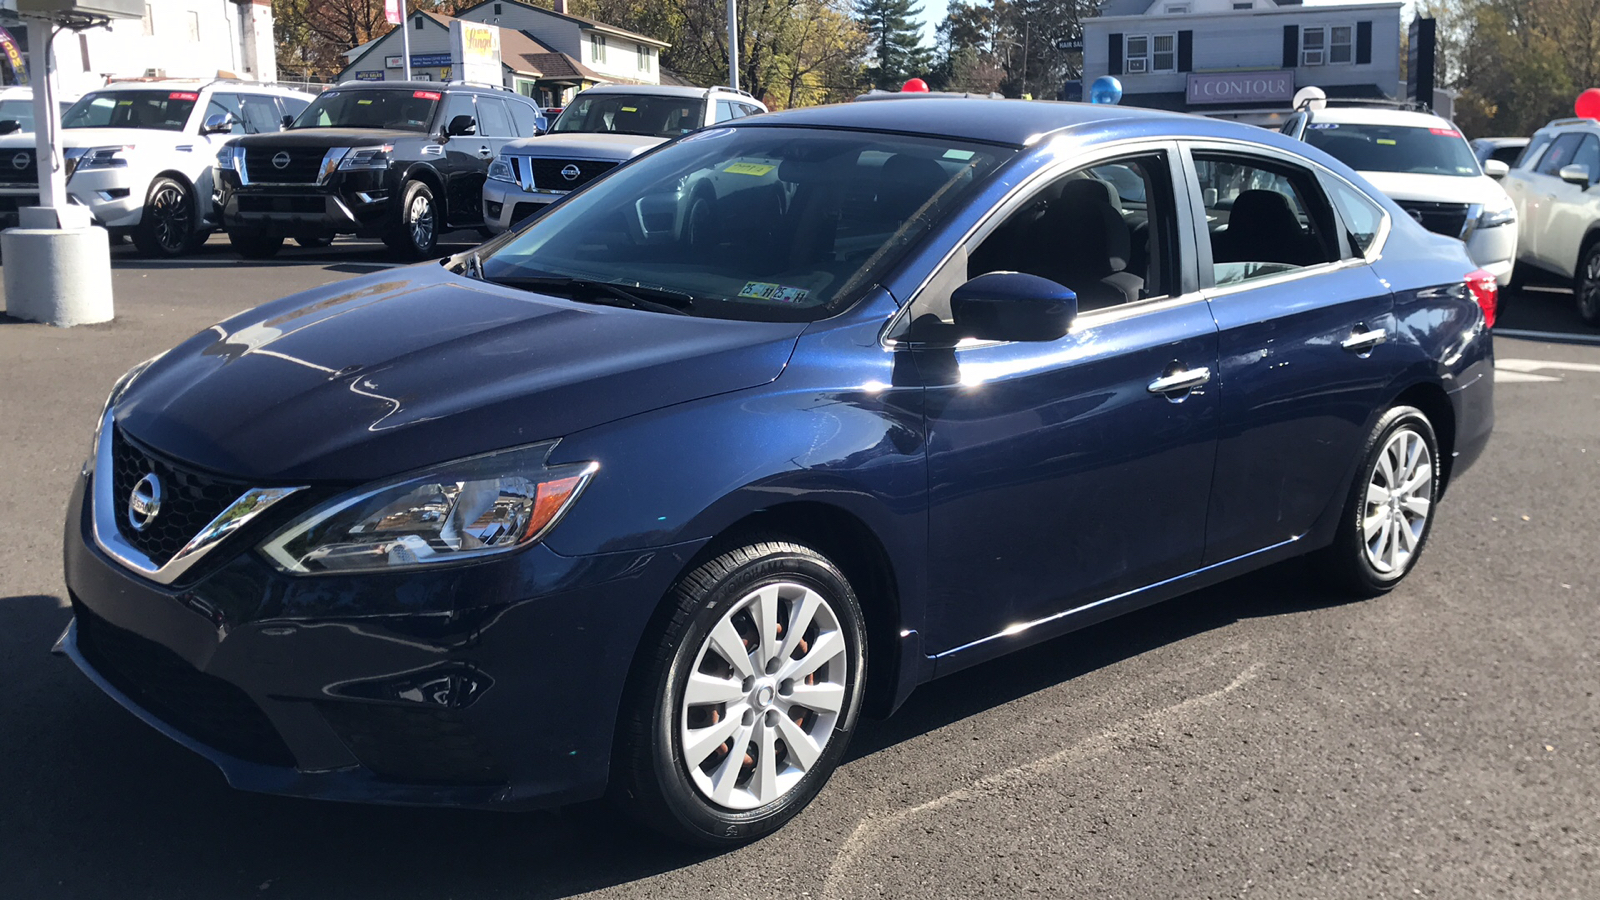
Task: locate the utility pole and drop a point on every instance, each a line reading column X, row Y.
column 733, row 44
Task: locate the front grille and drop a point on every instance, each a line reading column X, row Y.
column 190, row 500
column 1441, row 218
column 416, row 745
column 266, row 203
column 547, row 175
column 522, row 211
column 11, row 173
column 10, row 203
column 305, row 163
column 201, row 706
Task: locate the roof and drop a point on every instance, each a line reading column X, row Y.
column 1377, row 115
column 657, row 90
column 550, row 63
column 1017, row 123
column 582, row 22
column 415, row 86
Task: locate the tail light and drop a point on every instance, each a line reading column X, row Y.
column 1486, row 290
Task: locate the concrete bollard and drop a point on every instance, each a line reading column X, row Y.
column 59, row 276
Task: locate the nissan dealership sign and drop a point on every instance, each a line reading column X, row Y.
column 1241, row 87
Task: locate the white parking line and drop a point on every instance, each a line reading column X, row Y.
column 1513, row 370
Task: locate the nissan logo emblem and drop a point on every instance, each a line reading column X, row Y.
column 281, row 161
column 570, row 173
column 20, row 161
column 145, row 502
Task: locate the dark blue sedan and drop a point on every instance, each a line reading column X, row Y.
column 654, row 497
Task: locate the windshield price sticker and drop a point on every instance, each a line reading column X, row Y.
column 1445, row 132
column 183, row 95
column 1322, row 125
column 1387, row 142
column 777, row 293
column 962, row 155
column 427, row 95
column 756, row 169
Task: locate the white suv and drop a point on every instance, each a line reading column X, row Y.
column 600, row 129
column 139, row 155
column 1553, row 187
column 1423, row 164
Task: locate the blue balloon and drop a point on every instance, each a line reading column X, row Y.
column 1106, row 89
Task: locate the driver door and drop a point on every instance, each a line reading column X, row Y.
column 466, row 161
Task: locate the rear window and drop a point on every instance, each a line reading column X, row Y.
column 1395, row 148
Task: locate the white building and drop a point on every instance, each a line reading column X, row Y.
column 174, row 39
column 546, row 54
column 1243, row 58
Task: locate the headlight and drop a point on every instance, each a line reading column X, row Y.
column 226, row 156
column 117, row 390
column 1490, row 218
column 500, row 170
column 367, row 158
column 105, row 158
column 459, row 511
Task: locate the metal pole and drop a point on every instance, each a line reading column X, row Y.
column 405, row 35
column 1026, row 30
column 46, row 116
column 733, row 44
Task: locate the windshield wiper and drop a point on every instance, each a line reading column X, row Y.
column 605, row 293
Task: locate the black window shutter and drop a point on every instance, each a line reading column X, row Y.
column 1185, row 51
column 1291, row 46
column 1114, row 54
column 1363, row 43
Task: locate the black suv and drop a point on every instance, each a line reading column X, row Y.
column 404, row 161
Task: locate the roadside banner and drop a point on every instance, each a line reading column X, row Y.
column 13, row 54
column 475, row 49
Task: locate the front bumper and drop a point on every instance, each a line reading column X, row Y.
column 505, row 205
column 494, row 685
column 109, row 194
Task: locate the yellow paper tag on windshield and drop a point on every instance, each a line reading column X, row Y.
column 363, row 102
column 630, row 109
column 1387, row 142
column 748, row 169
column 124, row 102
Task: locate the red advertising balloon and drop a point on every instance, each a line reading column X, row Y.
column 918, row 86
column 1588, row 105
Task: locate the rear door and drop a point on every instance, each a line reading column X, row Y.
column 1540, row 190
column 1571, row 208
column 1304, row 352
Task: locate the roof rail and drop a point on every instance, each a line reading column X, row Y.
column 1407, row 105
column 731, row 90
column 1573, row 120
column 481, row 84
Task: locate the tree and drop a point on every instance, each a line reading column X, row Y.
column 895, row 41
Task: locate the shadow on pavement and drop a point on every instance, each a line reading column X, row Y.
column 107, row 808
column 1545, row 309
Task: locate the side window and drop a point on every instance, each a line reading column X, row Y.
column 725, row 111
column 1264, row 217
column 292, row 106
column 260, row 114
column 1362, row 216
column 493, row 120
column 522, row 118
column 1107, row 231
column 227, row 103
column 457, row 105
column 750, row 110
column 1588, row 155
column 1559, row 154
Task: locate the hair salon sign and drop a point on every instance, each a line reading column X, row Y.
column 1241, row 87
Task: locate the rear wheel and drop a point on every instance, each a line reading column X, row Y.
column 1587, row 286
column 1389, row 513
column 414, row 234
column 252, row 244
column 167, row 226
column 745, row 697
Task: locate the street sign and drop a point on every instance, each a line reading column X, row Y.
column 369, row 76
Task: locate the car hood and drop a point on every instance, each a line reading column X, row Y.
column 1480, row 189
column 405, row 368
column 585, row 146
column 324, row 138
column 105, row 137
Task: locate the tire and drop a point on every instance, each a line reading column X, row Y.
column 707, row 801
column 1371, row 552
column 313, row 241
column 414, row 234
column 167, row 228
column 1586, row 287
column 255, row 244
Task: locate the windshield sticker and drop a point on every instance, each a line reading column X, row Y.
column 1387, row 142
column 124, row 102
column 962, row 155
column 630, row 109
column 183, row 95
column 1323, row 125
column 777, row 293
column 426, row 95
column 756, row 169
column 363, row 102
column 1445, row 132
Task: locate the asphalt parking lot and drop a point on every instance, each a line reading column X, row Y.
column 1262, row 738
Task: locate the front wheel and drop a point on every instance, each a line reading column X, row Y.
column 1587, row 287
column 167, row 226
column 1389, row 513
column 745, row 698
column 414, row 233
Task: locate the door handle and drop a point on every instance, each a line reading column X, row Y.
column 485, row 152
column 1181, row 380
column 1362, row 342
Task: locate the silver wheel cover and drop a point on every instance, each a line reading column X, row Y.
column 1399, row 500
column 421, row 214
column 764, row 696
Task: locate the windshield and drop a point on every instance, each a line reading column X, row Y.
column 160, row 110
column 1395, row 148
column 665, row 117
column 752, row 223
column 399, row 110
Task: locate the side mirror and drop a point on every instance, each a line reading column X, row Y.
column 1013, row 306
column 1575, row 174
column 219, row 123
column 287, row 121
column 10, row 126
column 541, row 125
column 1495, row 168
column 461, row 125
